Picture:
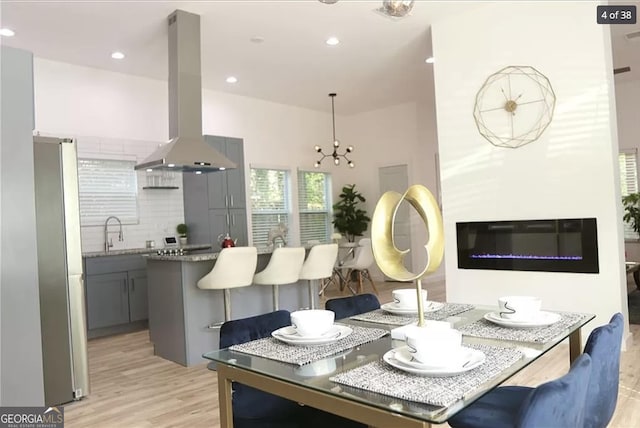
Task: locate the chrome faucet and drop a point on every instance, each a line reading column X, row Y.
column 107, row 243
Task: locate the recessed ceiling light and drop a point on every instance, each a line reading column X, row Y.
column 430, row 60
column 332, row 41
column 231, row 79
column 7, row 32
column 117, row 55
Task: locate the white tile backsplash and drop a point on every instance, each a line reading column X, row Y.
column 159, row 210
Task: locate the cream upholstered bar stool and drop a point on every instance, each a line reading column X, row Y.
column 234, row 267
column 318, row 266
column 283, row 268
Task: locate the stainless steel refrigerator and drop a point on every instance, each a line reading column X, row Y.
column 62, row 305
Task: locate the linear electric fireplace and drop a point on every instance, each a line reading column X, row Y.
column 559, row 245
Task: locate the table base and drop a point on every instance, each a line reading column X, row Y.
column 317, row 399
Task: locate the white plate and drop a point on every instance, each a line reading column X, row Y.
column 291, row 333
column 401, row 359
column 285, row 335
column 394, row 309
column 543, row 319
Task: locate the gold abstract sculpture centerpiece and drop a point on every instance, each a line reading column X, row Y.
column 388, row 256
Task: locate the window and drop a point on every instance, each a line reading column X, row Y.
column 314, row 192
column 628, row 182
column 270, row 194
column 107, row 187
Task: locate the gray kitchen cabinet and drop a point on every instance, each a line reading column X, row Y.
column 196, row 207
column 218, row 223
column 214, row 203
column 226, row 188
column 235, row 177
column 238, row 226
column 116, row 294
column 107, row 300
column 138, row 302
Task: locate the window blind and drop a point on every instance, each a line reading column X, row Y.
column 270, row 195
column 628, row 182
column 314, row 206
column 106, row 188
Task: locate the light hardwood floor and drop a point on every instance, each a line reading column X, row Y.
column 130, row 387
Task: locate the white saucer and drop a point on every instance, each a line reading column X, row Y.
column 394, row 309
column 291, row 333
column 542, row 319
column 401, row 359
column 288, row 335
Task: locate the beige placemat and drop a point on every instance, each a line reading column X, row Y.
column 379, row 377
column 487, row 329
column 295, row 354
column 380, row 316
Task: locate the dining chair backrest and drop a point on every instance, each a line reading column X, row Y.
column 252, row 407
column 560, row 402
column 320, row 261
column 363, row 255
column 234, row 267
column 345, row 307
column 603, row 346
column 252, row 328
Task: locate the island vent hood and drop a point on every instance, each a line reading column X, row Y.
column 186, row 151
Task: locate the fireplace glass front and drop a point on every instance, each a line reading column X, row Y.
column 558, row 245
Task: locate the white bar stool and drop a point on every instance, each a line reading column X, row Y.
column 283, row 268
column 234, row 267
column 319, row 266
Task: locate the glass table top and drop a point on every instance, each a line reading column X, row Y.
column 316, row 374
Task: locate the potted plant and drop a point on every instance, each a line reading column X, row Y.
column 348, row 218
column 182, row 230
column 632, row 210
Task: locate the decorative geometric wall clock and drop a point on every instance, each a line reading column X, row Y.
column 514, row 106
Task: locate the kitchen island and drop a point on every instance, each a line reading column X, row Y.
column 180, row 314
column 116, row 289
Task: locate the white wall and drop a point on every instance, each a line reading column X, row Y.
column 21, row 370
column 121, row 116
column 628, row 112
column 113, row 116
column 571, row 171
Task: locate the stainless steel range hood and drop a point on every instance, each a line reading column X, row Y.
column 186, row 151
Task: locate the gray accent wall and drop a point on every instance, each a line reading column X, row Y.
column 21, row 378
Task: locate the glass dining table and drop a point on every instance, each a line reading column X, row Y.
column 312, row 384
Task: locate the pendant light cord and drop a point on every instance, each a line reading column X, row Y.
column 333, row 116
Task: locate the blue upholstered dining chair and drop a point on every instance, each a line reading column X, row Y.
column 558, row 403
column 253, row 408
column 345, row 307
column 603, row 346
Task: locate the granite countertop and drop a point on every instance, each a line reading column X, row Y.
column 129, row 251
column 202, row 257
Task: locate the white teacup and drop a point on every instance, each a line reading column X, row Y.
column 312, row 322
column 407, row 298
column 435, row 346
column 519, row 308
